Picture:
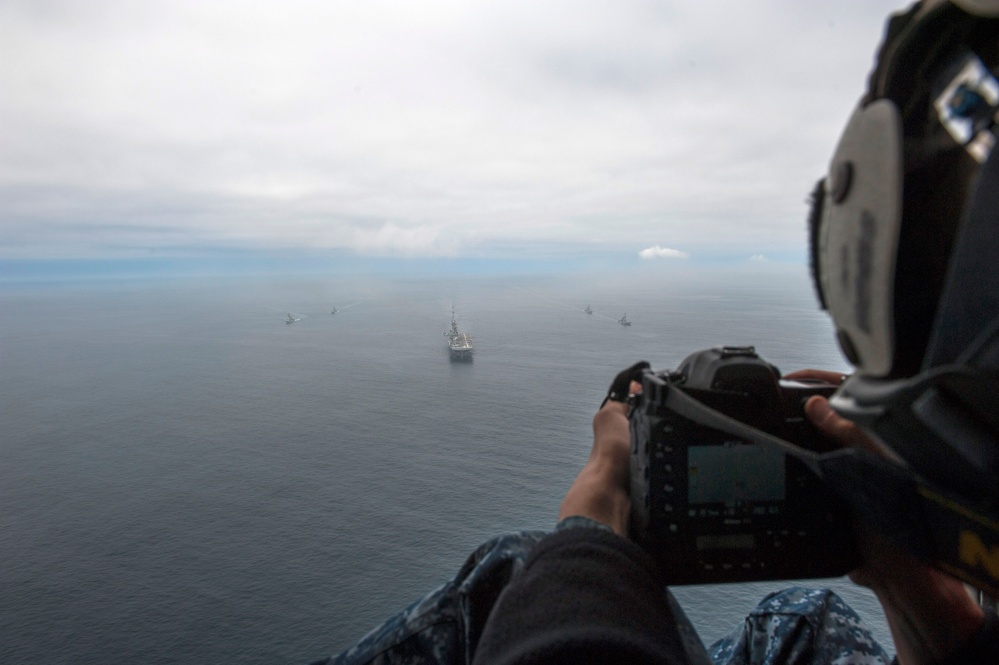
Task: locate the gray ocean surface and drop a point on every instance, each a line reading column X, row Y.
column 184, row 478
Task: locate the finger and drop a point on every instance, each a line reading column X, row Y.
column 613, row 406
column 621, row 385
column 825, row 375
column 835, row 426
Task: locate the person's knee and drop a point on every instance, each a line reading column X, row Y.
column 802, row 601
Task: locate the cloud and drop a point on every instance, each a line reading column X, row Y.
column 758, row 258
column 393, row 240
column 657, row 252
column 470, row 126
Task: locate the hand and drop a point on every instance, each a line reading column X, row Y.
column 831, row 424
column 601, row 491
column 930, row 613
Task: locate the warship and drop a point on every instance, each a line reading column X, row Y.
column 624, row 320
column 459, row 343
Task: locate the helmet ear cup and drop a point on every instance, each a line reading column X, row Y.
column 857, row 236
column 816, row 200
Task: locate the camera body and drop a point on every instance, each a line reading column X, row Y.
column 712, row 507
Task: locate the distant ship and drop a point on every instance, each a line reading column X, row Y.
column 334, row 311
column 291, row 319
column 459, row 343
column 588, row 310
column 624, row 320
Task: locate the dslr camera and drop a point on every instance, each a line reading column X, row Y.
column 714, row 507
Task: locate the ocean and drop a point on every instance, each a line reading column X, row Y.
column 185, row 478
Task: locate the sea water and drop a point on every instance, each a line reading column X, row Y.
column 186, row 478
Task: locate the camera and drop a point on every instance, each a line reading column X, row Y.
column 712, row 506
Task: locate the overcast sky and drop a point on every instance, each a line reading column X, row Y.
column 671, row 129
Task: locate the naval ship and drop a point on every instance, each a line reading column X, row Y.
column 459, row 343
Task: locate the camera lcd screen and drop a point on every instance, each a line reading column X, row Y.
column 734, row 473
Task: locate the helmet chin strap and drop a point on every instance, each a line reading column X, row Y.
column 970, row 299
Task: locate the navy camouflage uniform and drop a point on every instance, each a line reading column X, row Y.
column 799, row 626
column 791, row 627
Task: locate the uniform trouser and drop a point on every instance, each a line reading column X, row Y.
column 789, row 627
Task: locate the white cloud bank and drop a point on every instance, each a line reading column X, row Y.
column 432, row 128
column 394, row 240
column 657, row 252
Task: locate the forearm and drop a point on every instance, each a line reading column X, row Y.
column 592, row 496
column 600, row 491
column 931, row 616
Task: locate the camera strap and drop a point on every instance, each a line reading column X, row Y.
column 922, row 519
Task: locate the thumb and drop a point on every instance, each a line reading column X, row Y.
column 836, row 427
